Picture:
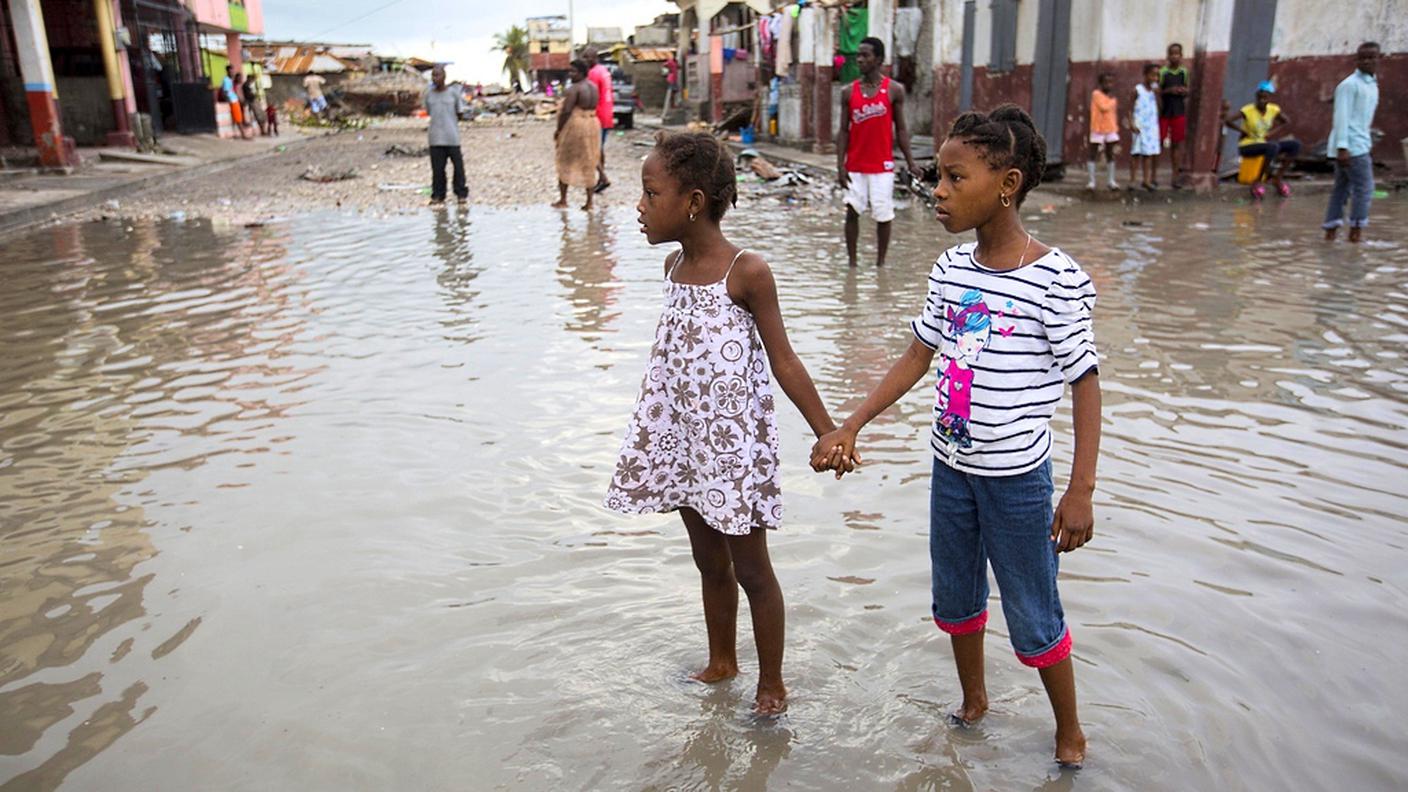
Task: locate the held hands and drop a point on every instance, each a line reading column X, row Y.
column 1074, row 523
column 836, row 450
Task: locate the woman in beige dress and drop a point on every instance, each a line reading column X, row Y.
column 578, row 137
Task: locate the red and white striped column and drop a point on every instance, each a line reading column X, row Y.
column 38, row 74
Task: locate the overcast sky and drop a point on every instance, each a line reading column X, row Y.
column 460, row 32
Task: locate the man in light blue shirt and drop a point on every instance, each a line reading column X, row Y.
column 1356, row 99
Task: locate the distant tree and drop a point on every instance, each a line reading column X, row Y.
column 514, row 46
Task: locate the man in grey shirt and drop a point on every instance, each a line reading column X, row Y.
column 444, row 104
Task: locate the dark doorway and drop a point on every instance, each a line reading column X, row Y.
column 1248, row 62
column 965, row 87
column 1050, row 74
column 165, row 63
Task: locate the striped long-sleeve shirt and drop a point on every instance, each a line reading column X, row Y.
column 1008, row 342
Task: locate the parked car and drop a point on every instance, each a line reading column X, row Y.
column 623, row 96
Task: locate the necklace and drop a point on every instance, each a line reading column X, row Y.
column 1023, row 259
column 1020, row 261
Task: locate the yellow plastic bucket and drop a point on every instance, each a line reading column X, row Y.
column 1250, row 170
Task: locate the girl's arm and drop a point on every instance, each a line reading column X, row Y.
column 759, row 293
column 902, row 376
column 1074, row 522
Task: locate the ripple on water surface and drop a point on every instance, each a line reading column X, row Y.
column 317, row 504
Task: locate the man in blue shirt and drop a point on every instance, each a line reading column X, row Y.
column 1356, row 99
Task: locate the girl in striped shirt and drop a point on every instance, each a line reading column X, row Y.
column 1010, row 320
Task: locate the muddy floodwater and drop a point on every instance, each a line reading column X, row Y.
column 316, row 505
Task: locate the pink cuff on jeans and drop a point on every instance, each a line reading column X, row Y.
column 1051, row 656
column 964, row 627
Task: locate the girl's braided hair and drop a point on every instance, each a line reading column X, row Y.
column 700, row 162
column 1008, row 139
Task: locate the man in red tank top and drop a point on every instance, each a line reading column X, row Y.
column 872, row 117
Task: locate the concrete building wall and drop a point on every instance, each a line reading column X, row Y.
column 1312, row 50
column 86, row 109
column 1307, row 29
column 649, row 80
column 1313, row 47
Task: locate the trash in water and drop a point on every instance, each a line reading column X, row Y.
column 764, row 169
column 921, row 191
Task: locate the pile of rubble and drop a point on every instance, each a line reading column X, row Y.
column 536, row 105
column 384, row 93
column 337, row 116
column 787, row 184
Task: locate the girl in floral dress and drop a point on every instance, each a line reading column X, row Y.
column 703, row 438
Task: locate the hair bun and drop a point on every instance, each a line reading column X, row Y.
column 1012, row 114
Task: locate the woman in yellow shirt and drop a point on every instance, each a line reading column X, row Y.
column 1259, row 124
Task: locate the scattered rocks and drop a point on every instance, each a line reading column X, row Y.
column 403, row 150
column 508, row 162
column 315, row 173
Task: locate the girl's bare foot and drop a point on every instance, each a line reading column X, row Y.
column 715, row 672
column 559, row 204
column 770, row 700
column 970, row 713
column 587, row 207
column 1070, row 749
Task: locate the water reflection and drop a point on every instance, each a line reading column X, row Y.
column 586, row 269
column 317, row 503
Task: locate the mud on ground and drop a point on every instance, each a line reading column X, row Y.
column 507, row 162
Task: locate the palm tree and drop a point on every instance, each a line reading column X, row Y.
column 514, row 46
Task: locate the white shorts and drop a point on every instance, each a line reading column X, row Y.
column 872, row 192
column 1104, row 137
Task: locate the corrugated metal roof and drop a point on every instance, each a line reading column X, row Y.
column 327, row 64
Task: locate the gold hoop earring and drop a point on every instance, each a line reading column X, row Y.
column 1005, row 200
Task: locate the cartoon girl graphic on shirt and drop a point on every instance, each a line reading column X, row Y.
column 971, row 328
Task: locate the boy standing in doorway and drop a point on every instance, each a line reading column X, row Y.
column 872, row 116
column 1173, row 110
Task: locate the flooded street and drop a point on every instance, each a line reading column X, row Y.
column 316, row 505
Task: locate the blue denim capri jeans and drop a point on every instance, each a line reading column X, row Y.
column 1005, row 520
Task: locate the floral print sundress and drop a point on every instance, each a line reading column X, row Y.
column 703, row 434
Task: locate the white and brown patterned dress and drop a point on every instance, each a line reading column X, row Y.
column 703, row 434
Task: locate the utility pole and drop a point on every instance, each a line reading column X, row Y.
column 571, row 27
